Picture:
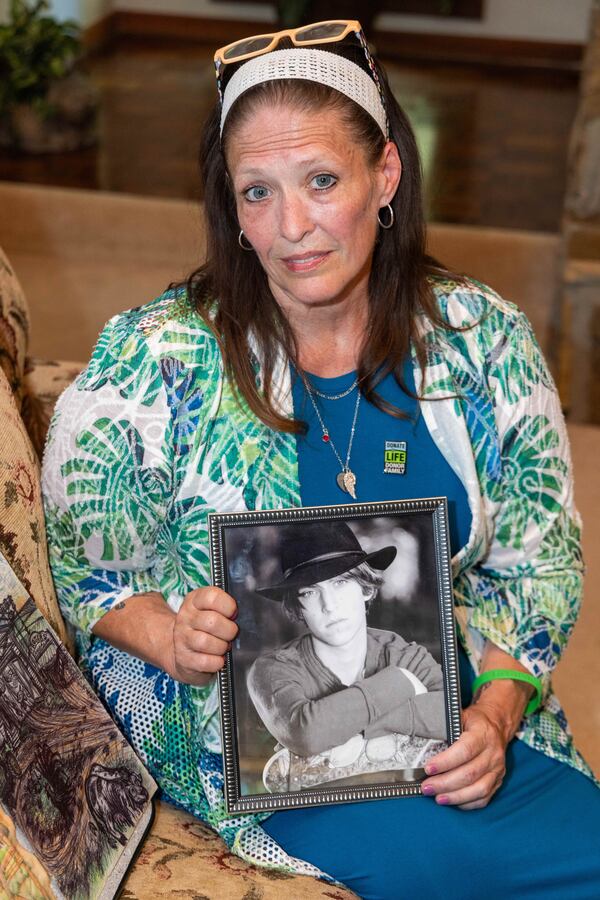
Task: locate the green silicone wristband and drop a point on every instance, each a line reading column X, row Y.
column 514, row 675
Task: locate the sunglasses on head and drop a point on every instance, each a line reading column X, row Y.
column 329, row 32
column 318, row 33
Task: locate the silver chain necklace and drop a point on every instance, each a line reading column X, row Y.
column 346, row 479
column 334, row 396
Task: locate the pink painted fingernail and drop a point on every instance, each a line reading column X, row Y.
column 443, row 799
column 428, row 790
column 431, row 770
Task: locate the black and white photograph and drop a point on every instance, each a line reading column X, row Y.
column 343, row 678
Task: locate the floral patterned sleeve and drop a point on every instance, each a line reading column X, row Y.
column 107, row 477
column 527, row 588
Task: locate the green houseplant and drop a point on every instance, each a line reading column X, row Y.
column 45, row 103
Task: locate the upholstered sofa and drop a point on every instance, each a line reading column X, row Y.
column 84, row 256
column 180, row 857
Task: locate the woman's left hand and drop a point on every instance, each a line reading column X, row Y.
column 471, row 770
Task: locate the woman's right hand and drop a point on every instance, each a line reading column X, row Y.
column 202, row 633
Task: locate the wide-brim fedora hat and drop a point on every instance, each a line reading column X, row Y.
column 316, row 551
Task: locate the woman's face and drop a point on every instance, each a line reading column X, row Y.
column 334, row 610
column 307, row 200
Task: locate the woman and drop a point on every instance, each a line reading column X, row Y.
column 391, row 686
column 317, row 304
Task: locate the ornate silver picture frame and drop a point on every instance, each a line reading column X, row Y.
column 343, row 679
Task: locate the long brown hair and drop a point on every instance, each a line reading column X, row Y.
column 231, row 292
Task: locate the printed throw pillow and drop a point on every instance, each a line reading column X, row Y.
column 22, row 528
column 44, row 382
column 14, row 328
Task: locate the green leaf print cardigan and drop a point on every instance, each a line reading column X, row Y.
column 149, row 439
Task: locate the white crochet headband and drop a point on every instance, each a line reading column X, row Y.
column 335, row 71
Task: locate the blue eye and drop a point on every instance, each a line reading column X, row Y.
column 256, row 193
column 324, row 181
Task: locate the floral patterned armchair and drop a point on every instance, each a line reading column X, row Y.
column 180, row 857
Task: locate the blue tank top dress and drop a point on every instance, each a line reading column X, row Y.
column 538, row 838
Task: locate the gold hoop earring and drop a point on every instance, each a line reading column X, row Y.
column 389, row 224
column 244, row 246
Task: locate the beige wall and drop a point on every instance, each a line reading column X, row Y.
column 543, row 20
column 549, row 20
column 253, row 12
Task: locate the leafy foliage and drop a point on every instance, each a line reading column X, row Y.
column 35, row 50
